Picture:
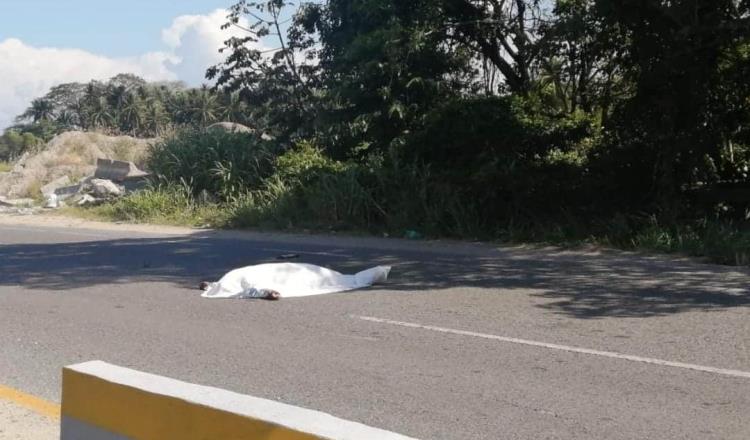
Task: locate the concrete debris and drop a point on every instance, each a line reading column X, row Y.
column 67, row 192
column 118, row 170
column 50, row 176
column 87, row 199
column 105, row 188
column 71, row 154
column 51, row 202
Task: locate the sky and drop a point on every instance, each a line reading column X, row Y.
column 48, row 42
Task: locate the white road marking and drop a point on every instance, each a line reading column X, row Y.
column 609, row 354
column 293, row 251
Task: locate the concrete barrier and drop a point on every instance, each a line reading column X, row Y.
column 106, row 402
column 118, row 170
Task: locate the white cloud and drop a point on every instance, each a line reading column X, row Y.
column 27, row 72
column 195, row 41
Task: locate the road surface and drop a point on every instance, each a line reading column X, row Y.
column 464, row 342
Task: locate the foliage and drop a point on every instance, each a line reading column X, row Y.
column 624, row 120
column 217, row 163
column 171, row 204
column 13, row 143
column 127, row 104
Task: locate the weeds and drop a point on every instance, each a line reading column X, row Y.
column 231, row 180
column 172, row 205
column 223, row 164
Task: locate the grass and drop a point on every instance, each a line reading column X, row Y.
column 5, row 167
column 720, row 242
column 280, row 208
column 160, row 205
column 303, row 190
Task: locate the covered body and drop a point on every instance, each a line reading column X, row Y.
column 291, row 280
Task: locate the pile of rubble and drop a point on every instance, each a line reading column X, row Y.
column 73, row 154
column 112, row 179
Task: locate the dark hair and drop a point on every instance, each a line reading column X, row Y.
column 203, row 285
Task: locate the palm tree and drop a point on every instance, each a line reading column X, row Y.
column 155, row 118
column 130, row 113
column 178, row 106
column 205, row 108
column 99, row 114
column 67, row 119
column 40, row 110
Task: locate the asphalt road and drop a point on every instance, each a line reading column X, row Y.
column 464, row 342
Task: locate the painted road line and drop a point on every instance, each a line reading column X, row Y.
column 295, row 251
column 39, row 406
column 609, row 354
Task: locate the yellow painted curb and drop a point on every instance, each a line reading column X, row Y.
column 138, row 414
column 39, row 406
column 118, row 402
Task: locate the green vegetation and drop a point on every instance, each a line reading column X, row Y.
column 14, row 143
column 5, row 167
column 621, row 122
column 170, row 205
column 124, row 105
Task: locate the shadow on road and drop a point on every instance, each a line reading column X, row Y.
column 578, row 284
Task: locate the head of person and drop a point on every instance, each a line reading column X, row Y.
column 204, row 285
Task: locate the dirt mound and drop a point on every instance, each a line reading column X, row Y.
column 71, row 154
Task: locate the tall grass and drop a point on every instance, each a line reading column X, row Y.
column 169, row 204
column 311, row 191
column 220, row 163
column 235, row 180
column 5, row 167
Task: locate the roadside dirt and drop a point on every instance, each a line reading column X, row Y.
column 18, row 423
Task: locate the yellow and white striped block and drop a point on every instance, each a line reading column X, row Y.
column 101, row 401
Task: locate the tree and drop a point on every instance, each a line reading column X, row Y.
column 155, row 118
column 204, row 107
column 40, row 110
column 503, row 32
column 99, row 114
column 674, row 53
column 130, row 114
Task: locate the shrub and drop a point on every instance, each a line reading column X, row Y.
column 513, row 163
column 220, row 163
column 310, row 190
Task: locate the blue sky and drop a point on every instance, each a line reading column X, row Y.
column 113, row 28
column 44, row 43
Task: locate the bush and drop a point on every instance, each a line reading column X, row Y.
column 307, row 190
column 312, row 191
column 219, row 163
column 512, row 162
column 14, row 143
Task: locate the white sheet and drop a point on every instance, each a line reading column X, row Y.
column 291, row 280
